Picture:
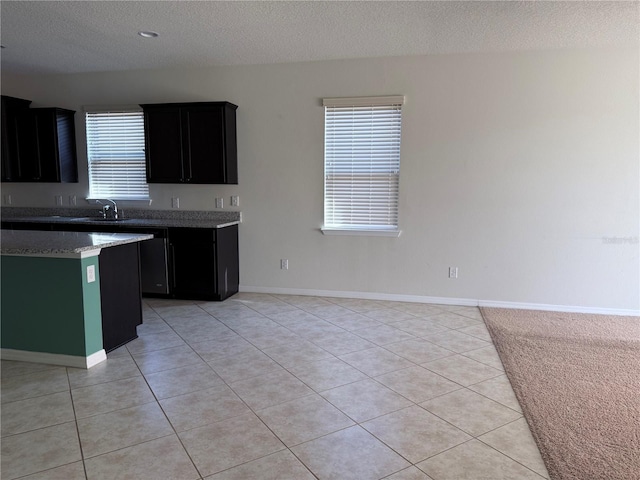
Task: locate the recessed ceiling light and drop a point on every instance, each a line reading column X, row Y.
column 147, row 34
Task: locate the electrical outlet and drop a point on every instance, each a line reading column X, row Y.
column 175, row 202
column 72, row 200
column 58, row 199
column 284, row 264
column 91, row 273
column 7, row 199
column 453, row 272
column 219, row 202
column 235, row 201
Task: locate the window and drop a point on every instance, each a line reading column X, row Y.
column 362, row 165
column 115, row 151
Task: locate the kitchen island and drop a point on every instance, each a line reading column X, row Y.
column 68, row 297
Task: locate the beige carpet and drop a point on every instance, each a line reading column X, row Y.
column 577, row 378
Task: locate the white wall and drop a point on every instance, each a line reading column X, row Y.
column 518, row 168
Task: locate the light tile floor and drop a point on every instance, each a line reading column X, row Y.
column 275, row 387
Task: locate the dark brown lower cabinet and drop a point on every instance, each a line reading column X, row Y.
column 204, row 262
column 120, row 294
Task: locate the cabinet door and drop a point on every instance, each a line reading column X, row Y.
column 10, row 133
column 227, row 261
column 5, row 138
column 193, row 263
column 67, row 158
column 28, row 157
column 120, row 294
column 44, row 122
column 204, row 145
column 193, row 270
column 163, row 145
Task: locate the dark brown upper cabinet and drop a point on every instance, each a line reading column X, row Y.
column 191, row 142
column 12, row 108
column 39, row 144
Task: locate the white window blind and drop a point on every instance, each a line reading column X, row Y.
column 115, row 149
column 362, row 163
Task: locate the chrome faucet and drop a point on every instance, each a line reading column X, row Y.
column 109, row 211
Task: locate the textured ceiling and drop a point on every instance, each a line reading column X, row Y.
column 89, row 36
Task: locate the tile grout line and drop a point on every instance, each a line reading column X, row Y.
column 356, row 423
column 175, row 432
column 286, row 447
column 328, row 320
column 506, row 455
column 75, row 419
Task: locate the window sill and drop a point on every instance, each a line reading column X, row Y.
column 361, row 232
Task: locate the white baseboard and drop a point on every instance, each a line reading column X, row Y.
column 466, row 302
column 361, row 295
column 54, row 358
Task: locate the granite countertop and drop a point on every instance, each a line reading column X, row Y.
column 129, row 217
column 62, row 244
column 131, row 222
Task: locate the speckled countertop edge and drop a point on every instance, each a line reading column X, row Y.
column 132, row 217
column 33, row 243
